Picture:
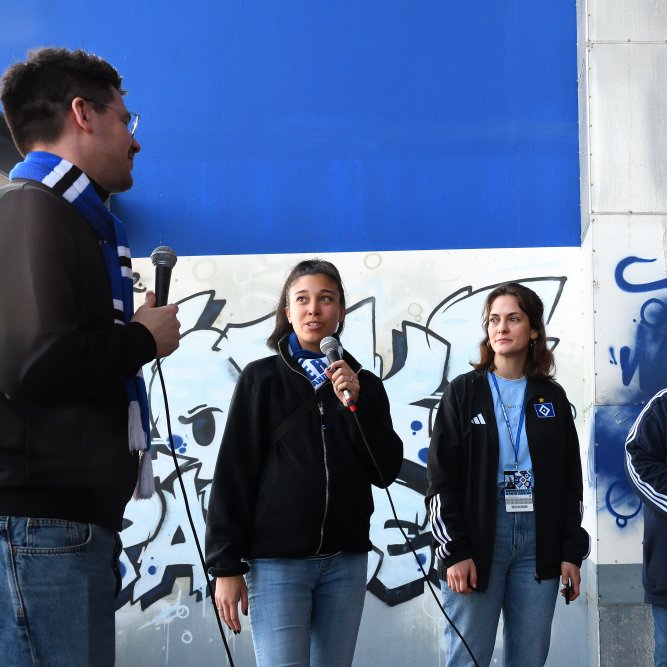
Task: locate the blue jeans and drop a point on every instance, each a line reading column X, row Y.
column 527, row 606
column 660, row 635
column 58, row 583
column 306, row 611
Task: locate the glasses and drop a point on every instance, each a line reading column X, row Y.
column 132, row 122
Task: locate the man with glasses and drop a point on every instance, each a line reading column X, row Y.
column 73, row 410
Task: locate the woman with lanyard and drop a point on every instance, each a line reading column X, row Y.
column 291, row 497
column 505, row 490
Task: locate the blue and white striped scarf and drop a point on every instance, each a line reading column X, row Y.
column 73, row 185
column 313, row 363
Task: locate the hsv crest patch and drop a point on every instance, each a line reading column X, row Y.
column 544, row 410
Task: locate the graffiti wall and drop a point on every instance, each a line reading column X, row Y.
column 631, row 339
column 415, row 320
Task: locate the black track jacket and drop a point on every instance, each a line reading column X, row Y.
column 462, row 477
column 309, row 493
column 646, row 468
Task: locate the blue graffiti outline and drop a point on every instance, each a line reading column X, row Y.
column 636, row 287
column 621, row 519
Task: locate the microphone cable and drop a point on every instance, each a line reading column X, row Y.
column 333, row 351
column 209, row 585
column 407, row 539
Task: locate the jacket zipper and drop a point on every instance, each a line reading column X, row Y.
column 324, row 450
column 326, row 475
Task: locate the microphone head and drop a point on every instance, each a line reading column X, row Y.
column 331, row 349
column 163, row 255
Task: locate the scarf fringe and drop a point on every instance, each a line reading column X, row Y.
column 146, row 481
column 135, row 429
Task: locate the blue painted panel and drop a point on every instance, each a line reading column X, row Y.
column 317, row 126
column 615, row 494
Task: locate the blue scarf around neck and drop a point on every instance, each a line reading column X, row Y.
column 313, row 363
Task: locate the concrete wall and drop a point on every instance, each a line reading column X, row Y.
column 622, row 67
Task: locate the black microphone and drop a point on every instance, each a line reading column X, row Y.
column 164, row 259
column 333, row 351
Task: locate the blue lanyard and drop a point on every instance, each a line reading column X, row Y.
column 507, row 421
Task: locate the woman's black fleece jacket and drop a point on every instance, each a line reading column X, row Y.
column 309, row 493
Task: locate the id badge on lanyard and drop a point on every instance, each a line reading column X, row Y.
column 518, row 490
column 518, row 483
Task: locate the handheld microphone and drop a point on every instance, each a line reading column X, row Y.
column 333, row 351
column 164, row 259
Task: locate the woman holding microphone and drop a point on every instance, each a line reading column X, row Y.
column 287, row 533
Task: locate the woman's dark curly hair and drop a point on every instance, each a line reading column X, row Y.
column 540, row 359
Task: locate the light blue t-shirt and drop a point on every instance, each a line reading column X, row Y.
column 513, row 393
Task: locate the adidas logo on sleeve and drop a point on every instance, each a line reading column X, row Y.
column 479, row 419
